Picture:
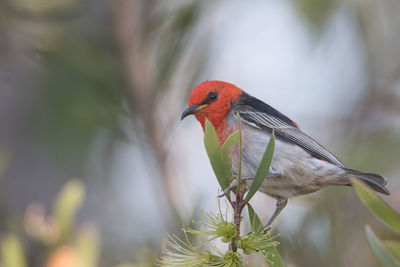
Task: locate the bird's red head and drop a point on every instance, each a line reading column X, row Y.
column 212, row 100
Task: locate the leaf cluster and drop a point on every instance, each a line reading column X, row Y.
column 388, row 251
column 259, row 241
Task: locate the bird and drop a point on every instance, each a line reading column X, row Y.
column 299, row 166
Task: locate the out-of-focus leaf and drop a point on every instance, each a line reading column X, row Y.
column 80, row 99
column 41, row 7
column 262, row 168
column 174, row 41
column 384, row 256
column 316, row 11
column 88, row 247
column 256, row 225
column 379, row 208
column 394, row 247
column 3, row 163
column 214, row 153
column 12, row 252
column 68, row 201
column 229, row 143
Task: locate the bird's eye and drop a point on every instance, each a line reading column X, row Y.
column 212, row 96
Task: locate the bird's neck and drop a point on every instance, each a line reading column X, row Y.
column 221, row 126
column 216, row 117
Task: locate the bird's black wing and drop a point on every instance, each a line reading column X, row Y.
column 261, row 115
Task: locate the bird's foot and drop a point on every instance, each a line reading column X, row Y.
column 231, row 187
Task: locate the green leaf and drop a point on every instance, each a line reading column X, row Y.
column 393, row 247
column 255, row 221
column 384, row 256
column 256, row 225
column 239, row 178
column 214, row 153
column 68, row 201
column 377, row 206
column 229, row 143
column 262, row 168
column 12, row 253
column 87, row 243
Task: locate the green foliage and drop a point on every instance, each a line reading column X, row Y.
column 257, row 242
column 388, row 252
column 81, row 96
column 3, row 163
column 379, row 208
column 239, row 178
column 218, row 227
column 87, row 245
column 316, row 11
column 255, row 221
column 377, row 246
column 269, row 252
column 183, row 253
column 262, row 169
column 394, row 247
column 79, row 248
column 214, row 153
column 231, row 259
column 12, row 252
column 68, row 201
column 229, row 143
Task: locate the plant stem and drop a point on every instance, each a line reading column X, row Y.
column 240, row 190
column 238, row 206
column 239, row 178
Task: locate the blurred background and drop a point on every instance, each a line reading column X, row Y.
column 93, row 90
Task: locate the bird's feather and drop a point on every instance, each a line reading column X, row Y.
column 259, row 114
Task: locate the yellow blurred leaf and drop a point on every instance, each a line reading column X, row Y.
column 12, row 252
column 88, row 247
column 68, row 201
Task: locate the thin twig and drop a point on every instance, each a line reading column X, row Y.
column 240, row 190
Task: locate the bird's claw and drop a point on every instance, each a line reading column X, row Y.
column 222, row 194
column 232, row 186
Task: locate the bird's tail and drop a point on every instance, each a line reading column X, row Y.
column 373, row 180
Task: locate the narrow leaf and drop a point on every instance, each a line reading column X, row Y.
column 69, row 200
column 214, row 153
column 87, row 244
column 383, row 254
column 229, row 143
column 239, row 178
column 256, row 225
column 255, row 221
column 12, row 252
column 394, row 247
column 262, row 168
column 377, row 206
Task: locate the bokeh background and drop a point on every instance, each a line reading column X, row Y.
column 94, row 89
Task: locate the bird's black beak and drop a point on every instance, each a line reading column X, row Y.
column 192, row 110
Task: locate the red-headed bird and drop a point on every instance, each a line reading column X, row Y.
column 300, row 165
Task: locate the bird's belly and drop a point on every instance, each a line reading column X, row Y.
column 290, row 173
